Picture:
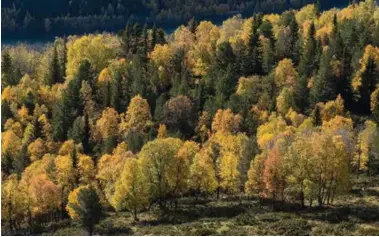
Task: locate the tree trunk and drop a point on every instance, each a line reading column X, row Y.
column 135, row 215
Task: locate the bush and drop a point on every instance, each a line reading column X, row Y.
column 288, row 227
column 108, row 227
column 344, row 228
column 246, row 219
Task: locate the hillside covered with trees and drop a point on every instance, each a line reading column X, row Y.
column 25, row 18
column 263, row 125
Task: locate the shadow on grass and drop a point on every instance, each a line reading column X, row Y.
column 190, row 213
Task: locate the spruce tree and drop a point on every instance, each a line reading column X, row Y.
column 86, row 143
column 324, row 83
column 302, row 93
column 253, row 56
column 62, row 114
column 369, row 81
column 55, row 69
column 153, row 40
column 87, row 206
column 63, row 60
column 307, row 60
column 7, row 163
column 7, row 71
column 6, row 113
column 316, row 116
column 75, row 162
column 192, row 25
column 126, row 39
column 294, row 43
column 116, row 93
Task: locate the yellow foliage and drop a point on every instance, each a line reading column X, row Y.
column 36, row 149
column 138, row 116
column 104, row 76
column 183, row 38
column 131, row 192
column 307, row 13
column 65, row 172
column 10, row 142
column 231, row 28
column 203, row 174
column 370, row 53
column 286, row 74
column 161, row 55
column 226, row 122
column 66, row 147
column 44, row 195
column 86, row 169
column 98, row 49
column 162, row 131
column 229, row 173
column 108, row 124
column 73, row 199
column 333, row 108
column 23, row 115
column 267, row 131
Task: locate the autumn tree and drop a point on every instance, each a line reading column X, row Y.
column 255, row 184
column 178, row 114
column 138, row 116
column 286, row 74
column 158, row 160
column 226, row 122
column 203, row 173
column 131, row 191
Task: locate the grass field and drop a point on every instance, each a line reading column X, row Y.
column 356, row 213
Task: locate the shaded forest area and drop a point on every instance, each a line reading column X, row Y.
column 262, row 125
column 31, row 19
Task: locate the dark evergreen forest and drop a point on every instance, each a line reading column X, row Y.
column 26, row 18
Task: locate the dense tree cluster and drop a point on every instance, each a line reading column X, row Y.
column 284, row 107
column 64, row 17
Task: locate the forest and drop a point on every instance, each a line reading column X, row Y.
column 267, row 125
column 25, row 18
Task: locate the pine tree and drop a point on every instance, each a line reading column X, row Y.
column 307, row 60
column 324, row 83
column 86, row 143
column 316, row 116
column 84, row 205
column 144, row 46
column 7, row 71
column 30, row 101
column 61, row 118
column 225, row 85
column 375, row 105
column 192, row 25
column 7, row 163
column 55, row 69
column 161, row 36
column 126, row 39
column 116, row 93
column 369, row 80
column 294, row 43
column 253, row 57
column 76, row 132
column 6, row 113
column 63, row 60
column 302, row 93
column 153, row 40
